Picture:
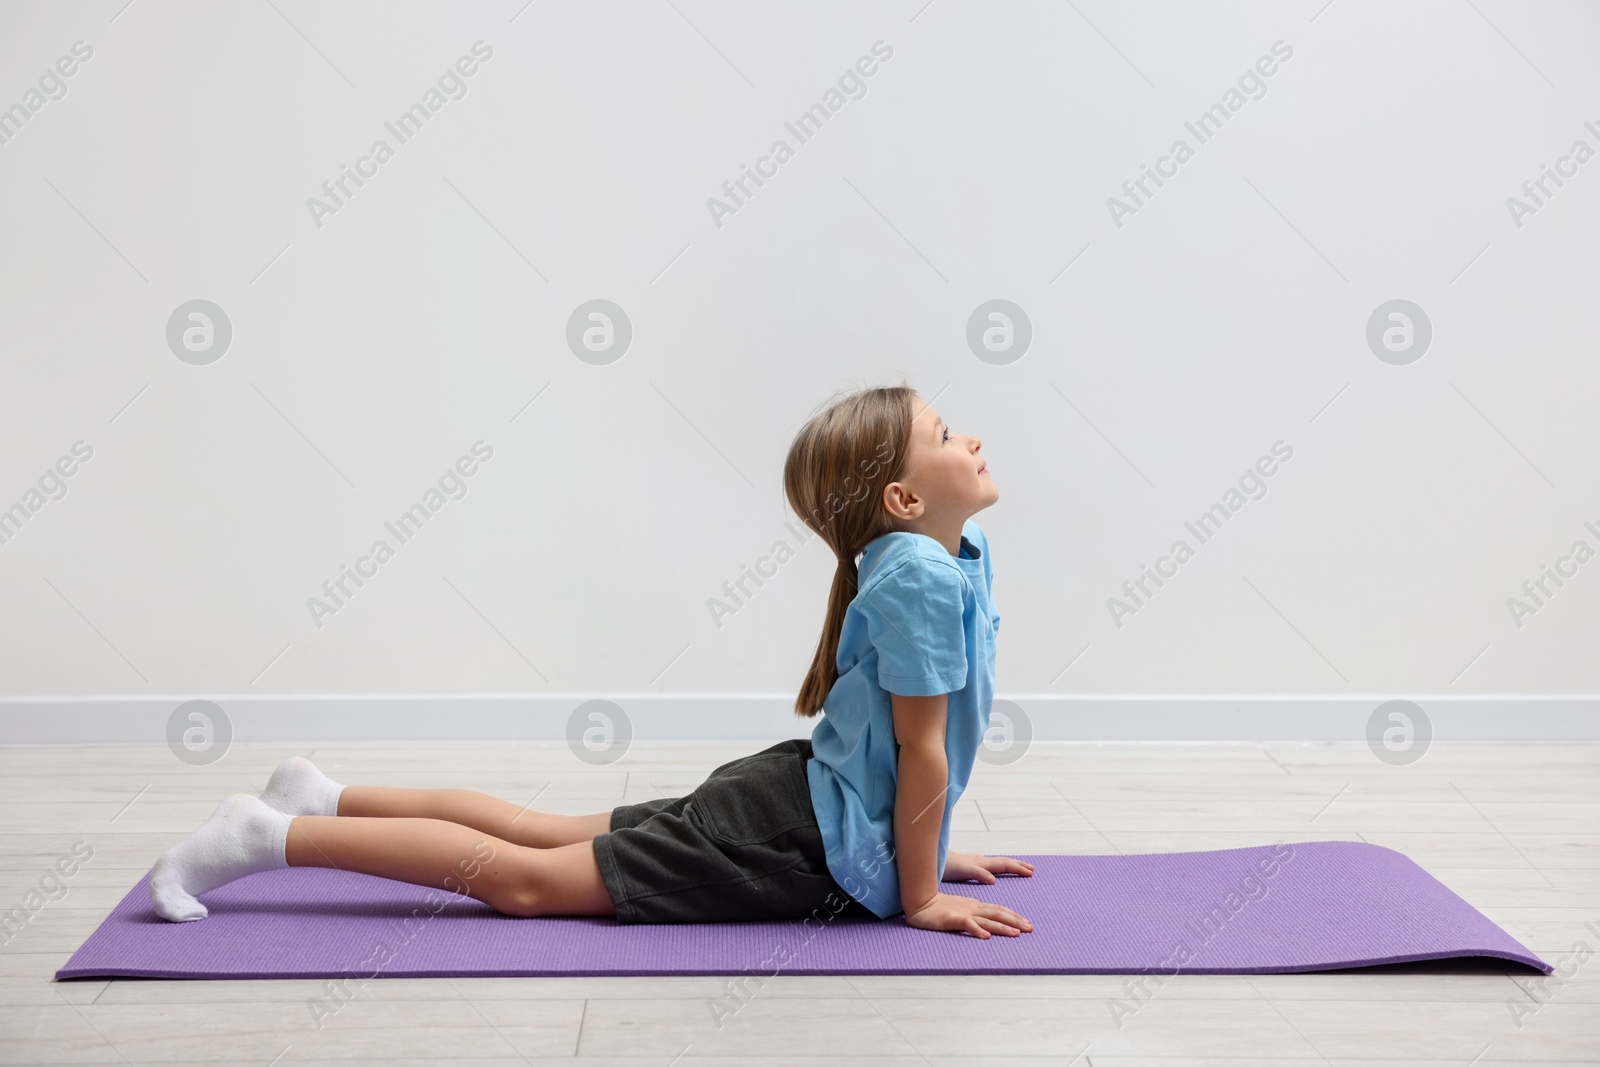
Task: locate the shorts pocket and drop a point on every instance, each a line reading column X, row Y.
column 756, row 800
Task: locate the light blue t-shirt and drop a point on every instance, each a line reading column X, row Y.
column 922, row 623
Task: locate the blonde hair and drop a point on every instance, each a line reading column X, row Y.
column 834, row 477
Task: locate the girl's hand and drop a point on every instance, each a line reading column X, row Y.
column 965, row 867
column 947, row 911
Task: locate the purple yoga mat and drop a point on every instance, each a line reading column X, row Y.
column 1327, row 904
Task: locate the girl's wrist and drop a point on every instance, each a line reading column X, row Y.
column 912, row 903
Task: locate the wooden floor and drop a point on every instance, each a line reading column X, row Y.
column 1513, row 829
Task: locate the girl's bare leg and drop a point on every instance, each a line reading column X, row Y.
column 511, row 878
column 491, row 815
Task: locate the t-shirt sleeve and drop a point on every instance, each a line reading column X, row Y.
column 914, row 620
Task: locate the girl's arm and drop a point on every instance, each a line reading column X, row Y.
column 922, row 781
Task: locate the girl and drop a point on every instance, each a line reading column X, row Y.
column 854, row 820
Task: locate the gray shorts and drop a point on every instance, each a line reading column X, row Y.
column 744, row 846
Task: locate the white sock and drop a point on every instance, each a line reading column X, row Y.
column 243, row 836
column 298, row 788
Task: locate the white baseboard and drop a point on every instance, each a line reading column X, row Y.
column 766, row 716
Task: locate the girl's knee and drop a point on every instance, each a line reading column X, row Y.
column 520, row 903
column 561, row 881
column 524, row 893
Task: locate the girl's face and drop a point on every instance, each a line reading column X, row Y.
column 947, row 479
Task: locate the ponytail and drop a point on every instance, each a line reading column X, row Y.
column 825, row 663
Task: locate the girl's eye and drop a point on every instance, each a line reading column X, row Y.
column 946, row 434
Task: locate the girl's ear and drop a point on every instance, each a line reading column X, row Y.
column 900, row 501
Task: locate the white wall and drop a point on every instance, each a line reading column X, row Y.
column 368, row 353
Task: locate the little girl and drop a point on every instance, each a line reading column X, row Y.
column 855, row 820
